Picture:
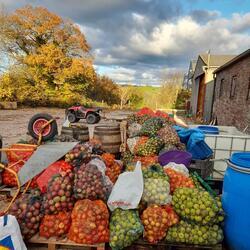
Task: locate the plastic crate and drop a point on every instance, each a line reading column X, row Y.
column 204, row 168
column 209, row 130
column 201, row 151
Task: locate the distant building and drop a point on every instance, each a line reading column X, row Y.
column 188, row 77
column 203, row 83
column 232, row 92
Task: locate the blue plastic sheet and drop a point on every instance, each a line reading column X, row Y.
column 194, row 140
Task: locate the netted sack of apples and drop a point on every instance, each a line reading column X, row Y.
column 155, row 222
column 9, row 178
column 59, row 195
column 113, row 168
column 55, row 225
column 91, row 182
column 125, row 228
column 27, row 210
column 18, row 152
column 177, row 179
column 90, row 222
column 156, row 186
column 80, row 154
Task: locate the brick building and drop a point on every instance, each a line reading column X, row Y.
column 231, row 106
column 203, row 83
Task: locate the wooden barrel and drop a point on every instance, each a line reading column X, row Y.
column 81, row 134
column 67, row 132
column 110, row 137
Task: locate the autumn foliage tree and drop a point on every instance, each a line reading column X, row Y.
column 104, row 90
column 50, row 54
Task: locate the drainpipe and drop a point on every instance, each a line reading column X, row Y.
column 215, row 78
column 208, row 59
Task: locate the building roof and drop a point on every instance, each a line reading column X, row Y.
column 193, row 64
column 216, row 60
column 233, row 60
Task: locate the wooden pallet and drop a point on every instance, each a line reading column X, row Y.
column 53, row 242
column 162, row 245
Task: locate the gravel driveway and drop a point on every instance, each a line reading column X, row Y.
column 14, row 123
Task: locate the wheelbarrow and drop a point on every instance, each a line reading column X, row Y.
column 42, row 155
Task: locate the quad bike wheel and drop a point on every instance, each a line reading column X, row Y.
column 72, row 117
column 92, row 118
column 36, row 123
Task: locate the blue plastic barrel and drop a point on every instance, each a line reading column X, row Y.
column 210, row 130
column 236, row 202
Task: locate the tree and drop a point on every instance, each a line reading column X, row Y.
column 52, row 54
column 125, row 93
column 104, row 90
column 170, row 88
column 28, row 28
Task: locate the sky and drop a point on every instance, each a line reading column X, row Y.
column 140, row 41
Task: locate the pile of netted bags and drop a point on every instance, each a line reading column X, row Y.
column 201, row 215
column 149, row 134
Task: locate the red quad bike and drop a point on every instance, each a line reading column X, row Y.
column 75, row 113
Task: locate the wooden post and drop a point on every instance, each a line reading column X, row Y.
column 51, row 246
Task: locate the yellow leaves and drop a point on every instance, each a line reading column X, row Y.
column 28, row 28
column 38, row 19
column 54, row 53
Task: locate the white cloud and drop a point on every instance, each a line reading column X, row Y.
column 186, row 36
column 121, row 74
column 241, row 22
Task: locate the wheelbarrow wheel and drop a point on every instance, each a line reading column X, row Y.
column 37, row 122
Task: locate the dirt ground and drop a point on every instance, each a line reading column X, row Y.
column 14, row 123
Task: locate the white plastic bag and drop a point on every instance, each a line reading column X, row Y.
column 10, row 234
column 181, row 168
column 127, row 191
column 131, row 142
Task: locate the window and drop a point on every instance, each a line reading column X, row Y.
column 233, row 86
column 248, row 90
column 222, row 82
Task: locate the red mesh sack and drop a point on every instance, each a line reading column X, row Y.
column 55, row 225
column 145, row 111
column 53, row 169
column 146, row 160
column 177, row 180
column 90, row 222
column 155, row 222
column 9, row 179
column 113, row 168
column 14, row 156
column 142, row 140
column 113, row 171
column 173, row 218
